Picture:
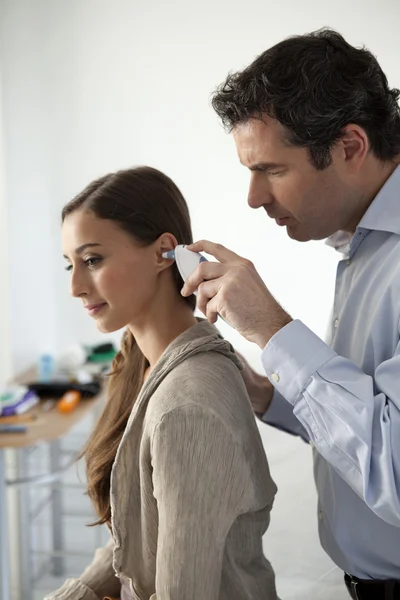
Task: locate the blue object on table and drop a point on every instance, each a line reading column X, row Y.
column 13, row 429
column 46, row 367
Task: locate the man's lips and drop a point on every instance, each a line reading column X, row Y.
column 282, row 220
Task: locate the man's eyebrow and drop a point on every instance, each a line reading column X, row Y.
column 83, row 248
column 265, row 166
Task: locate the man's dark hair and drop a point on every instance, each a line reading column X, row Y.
column 315, row 85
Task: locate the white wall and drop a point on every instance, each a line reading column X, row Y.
column 93, row 85
column 5, row 295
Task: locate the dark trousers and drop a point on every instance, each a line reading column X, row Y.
column 372, row 589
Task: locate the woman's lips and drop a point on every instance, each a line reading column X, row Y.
column 94, row 309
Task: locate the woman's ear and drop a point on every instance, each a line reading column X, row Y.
column 165, row 243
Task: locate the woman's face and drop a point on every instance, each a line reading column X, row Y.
column 115, row 277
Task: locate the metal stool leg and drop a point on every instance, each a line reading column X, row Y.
column 25, row 549
column 5, row 593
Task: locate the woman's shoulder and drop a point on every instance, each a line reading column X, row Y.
column 204, row 373
column 210, row 381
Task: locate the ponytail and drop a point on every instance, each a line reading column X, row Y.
column 126, row 380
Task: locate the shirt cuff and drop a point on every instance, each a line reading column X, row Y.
column 280, row 415
column 291, row 358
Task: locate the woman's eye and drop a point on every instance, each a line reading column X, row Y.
column 91, row 262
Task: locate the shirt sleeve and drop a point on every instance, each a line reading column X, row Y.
column 352, row 418
column 98, row 579
column 280, row 415
column 201, row 484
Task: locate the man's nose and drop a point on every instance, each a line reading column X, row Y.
column 259, row 194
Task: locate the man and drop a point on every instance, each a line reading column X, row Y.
column 314, row 120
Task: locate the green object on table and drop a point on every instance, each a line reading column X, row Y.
column 107, row 357
column 104, row 353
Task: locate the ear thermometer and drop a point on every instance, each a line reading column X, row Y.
column 186, row 260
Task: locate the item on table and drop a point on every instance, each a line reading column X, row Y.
column 102, row 353
column 72, row 358
column 16, row 400
column 46, row 367
column 15, row 419
column 56, row 389
column 69, row 401
column 13, row 429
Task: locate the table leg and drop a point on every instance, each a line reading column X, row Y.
column 5, row 592
column 57, row 512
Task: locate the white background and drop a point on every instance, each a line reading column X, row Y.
column 90, row 86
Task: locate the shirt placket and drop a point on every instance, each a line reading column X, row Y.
column 344, row 278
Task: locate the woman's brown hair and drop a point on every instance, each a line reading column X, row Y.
column 145, row 203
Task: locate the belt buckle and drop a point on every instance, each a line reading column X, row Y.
column 354, row 585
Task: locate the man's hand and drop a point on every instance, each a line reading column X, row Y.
column 259, row 388
column 233, row 289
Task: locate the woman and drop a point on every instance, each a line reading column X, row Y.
column 175, row 465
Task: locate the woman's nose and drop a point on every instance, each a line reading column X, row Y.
column 79, row 285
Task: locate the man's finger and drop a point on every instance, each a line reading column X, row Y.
column 207, row 291
column 211, row 312
column 218, row 251
column 205, row 271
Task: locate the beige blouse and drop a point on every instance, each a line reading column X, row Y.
column 191, row 492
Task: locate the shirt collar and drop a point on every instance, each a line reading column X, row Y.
column 340, row 241
column 383, row 214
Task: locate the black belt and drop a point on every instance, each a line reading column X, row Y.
column 372, row 589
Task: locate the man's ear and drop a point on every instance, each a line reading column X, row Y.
column 354, row 146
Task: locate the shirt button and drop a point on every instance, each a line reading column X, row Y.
column 312, row 444
column 320, row 515
column 348, row 262
column 275, row 377
column 336, row 323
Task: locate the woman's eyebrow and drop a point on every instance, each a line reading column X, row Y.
column 83, row 248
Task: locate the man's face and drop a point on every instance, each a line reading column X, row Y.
column 312, row 204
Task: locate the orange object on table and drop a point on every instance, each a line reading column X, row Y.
column 69, row 401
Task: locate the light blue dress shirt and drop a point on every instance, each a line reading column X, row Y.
column 344, row 395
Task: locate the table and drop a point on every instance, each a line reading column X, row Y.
column 48, row 426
